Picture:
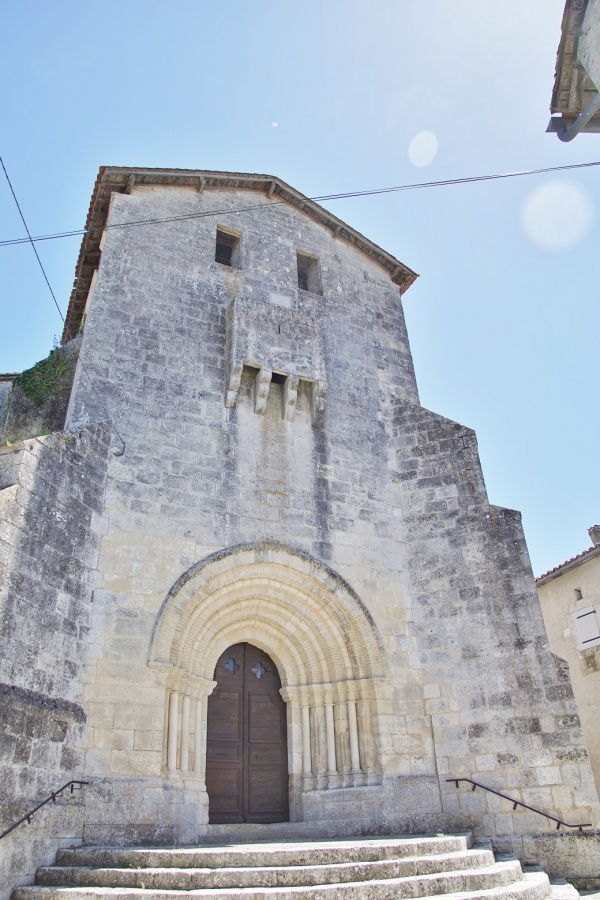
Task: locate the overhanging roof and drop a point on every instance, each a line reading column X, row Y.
column 573, row 88
column 122, row 180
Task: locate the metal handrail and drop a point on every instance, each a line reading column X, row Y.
column 516, row 803
column 28, row 816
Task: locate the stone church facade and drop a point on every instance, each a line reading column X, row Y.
column 245, row 468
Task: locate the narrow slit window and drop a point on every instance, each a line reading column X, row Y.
column 227, row 251
column 309, row 275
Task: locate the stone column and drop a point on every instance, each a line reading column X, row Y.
column 172, row 734
column 306, row 757
column 184, row 762
column 367, row 713
column 353, row 728
column 199, row 760
column 319, row 737
column 330, row 735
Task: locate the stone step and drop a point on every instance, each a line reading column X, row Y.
column 303, row 853
column 530, row 887
column 560, row 889
column 384, row 868
column 275, row 831
column 262, row 876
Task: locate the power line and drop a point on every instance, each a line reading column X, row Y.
column 322, row 199
column 31, row 241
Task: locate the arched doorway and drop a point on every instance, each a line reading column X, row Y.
column 319, row 635
column 246, row 740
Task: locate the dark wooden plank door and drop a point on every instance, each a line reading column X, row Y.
column 246, row 746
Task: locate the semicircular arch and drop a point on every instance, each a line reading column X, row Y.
column 301, row 612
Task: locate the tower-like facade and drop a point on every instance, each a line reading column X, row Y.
column 279, row 587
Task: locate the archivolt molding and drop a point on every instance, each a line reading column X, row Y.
column 316, row 630
column 304, row 615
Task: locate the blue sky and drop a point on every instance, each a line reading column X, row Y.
column 334, row 96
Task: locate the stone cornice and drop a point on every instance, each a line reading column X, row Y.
column 122, row 180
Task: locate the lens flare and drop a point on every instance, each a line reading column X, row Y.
column 423, row 149
column 557, row 215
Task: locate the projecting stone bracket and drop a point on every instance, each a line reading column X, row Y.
column 290, row 386
column 317, row 402
column 235, row 378
column 267, row 340
column 262, row 383
column 290, row 396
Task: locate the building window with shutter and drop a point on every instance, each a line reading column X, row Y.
column 586, row 628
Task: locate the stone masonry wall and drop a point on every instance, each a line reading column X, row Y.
column 501, row 703
column 51, row 492
column 197, row 477
column 386, row 493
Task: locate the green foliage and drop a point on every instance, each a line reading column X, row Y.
column 34, row 429
column 43, row 379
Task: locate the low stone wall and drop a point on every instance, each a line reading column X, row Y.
column 39, row 741
column 36, row 401
column 5, row 389
column 51, row 490
column 572, row 855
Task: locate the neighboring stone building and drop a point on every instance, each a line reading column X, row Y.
column 248, row 493
column 570, row 598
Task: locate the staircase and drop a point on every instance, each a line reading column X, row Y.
column 387, row 868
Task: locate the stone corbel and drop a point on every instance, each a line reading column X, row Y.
column 317, row 402
column 262, row 383
column 233, row 387
column 290, row 396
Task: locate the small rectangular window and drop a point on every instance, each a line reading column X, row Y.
column 586, row 628
column 309, row 275
column 227, row 251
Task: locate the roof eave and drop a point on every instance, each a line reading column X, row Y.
column 568, row 565
column 122, row 179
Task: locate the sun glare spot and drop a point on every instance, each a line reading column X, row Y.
column 423, row 149
column 556, row 216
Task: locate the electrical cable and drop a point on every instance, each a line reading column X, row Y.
column 322, row 199
column 31, row 241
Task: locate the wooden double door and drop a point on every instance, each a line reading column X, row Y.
column 246, row 741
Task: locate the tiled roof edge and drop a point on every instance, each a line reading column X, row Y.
column 568, row 564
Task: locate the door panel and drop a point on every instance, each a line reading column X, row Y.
column 266, row 790
column 264, row 719
column 225, row 716
column 246, row 748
